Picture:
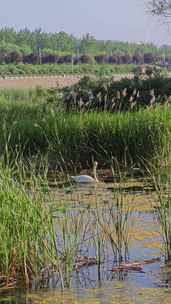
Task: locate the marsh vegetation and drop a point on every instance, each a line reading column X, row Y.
column 55, row 234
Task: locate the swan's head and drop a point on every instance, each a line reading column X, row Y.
column 95, row 164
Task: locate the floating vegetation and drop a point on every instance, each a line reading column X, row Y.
column 84, row 261
column 134, row 266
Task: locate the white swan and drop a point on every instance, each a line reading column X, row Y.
column 81, row 179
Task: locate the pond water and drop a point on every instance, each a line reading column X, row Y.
column 148, row 284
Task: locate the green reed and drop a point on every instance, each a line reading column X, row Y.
column 127, row 136
column 160, row 174
column 77, row 138
column 71, row 229
column 114, row 221
column 26, row 230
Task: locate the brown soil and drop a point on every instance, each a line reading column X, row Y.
column 31, row 82
column 34, row 81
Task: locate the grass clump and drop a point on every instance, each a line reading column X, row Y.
column 114, row 222
column 160, row 175
column 26, row 232
column 124, row 136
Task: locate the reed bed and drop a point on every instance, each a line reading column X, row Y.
column 26, row 231
column 78, row 138
column 43, row 237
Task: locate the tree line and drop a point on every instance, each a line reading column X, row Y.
column 27, row 42
column 17, row 57
column 35, row 47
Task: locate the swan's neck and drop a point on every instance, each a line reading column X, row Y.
column 95, row 174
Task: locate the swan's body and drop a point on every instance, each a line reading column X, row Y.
column 81, row 179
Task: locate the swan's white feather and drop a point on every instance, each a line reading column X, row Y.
column 83, row 179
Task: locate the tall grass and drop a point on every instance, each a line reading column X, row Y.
column 72, row 227
column 113, row 222
column 77, row 138
column 26, row 231
column 161, row 177
column 128, row 136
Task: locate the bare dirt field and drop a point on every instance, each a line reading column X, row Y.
column 31, row 82
column 50, row 81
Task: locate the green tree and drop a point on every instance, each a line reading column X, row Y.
column 88, row 44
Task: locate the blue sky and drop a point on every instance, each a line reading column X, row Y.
column 125, row 20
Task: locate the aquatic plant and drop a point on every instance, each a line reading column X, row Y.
column 27, row 241
column 162, row 208
column 114, row 222
column 160, row 174
column 77, row 138
column 71, row 229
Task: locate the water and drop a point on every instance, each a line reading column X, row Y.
column 152, row 285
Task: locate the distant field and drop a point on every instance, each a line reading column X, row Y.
column 34, row 81
column 31, row 82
